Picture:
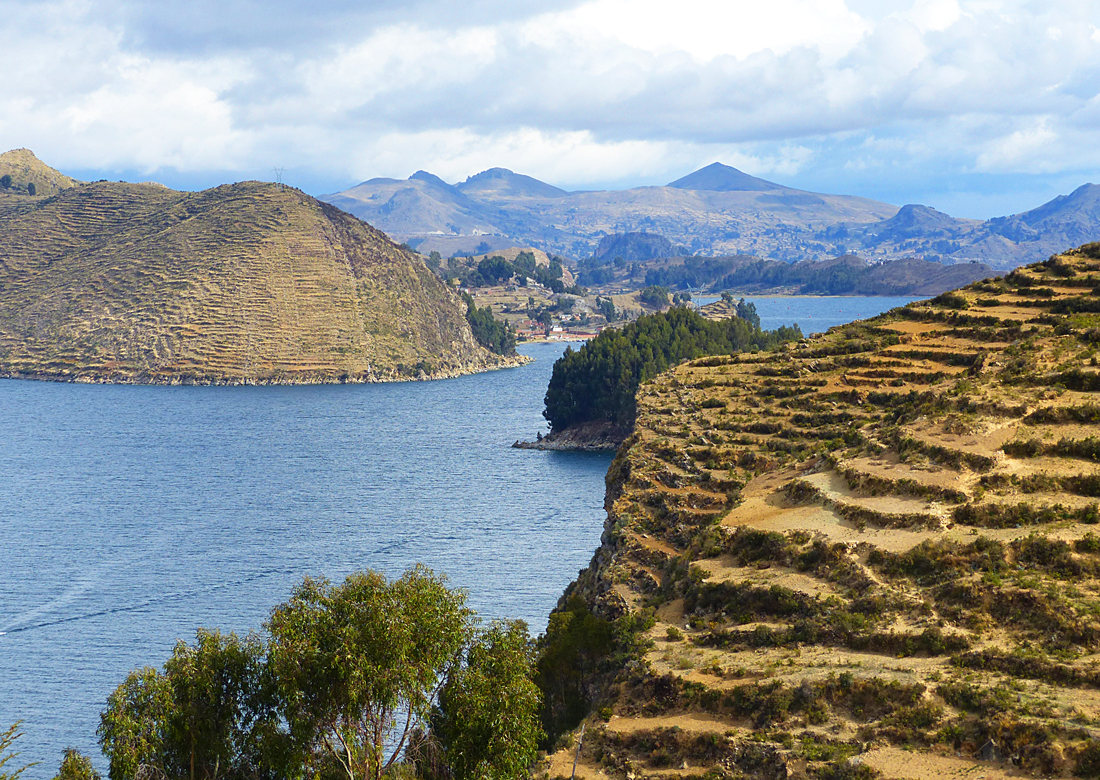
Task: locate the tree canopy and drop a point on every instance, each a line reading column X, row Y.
column 487, row 719
column 491, row 333
column 598, row 381
column 360, row 664
column 349, row 679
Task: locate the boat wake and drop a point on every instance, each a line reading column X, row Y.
column 14, row 627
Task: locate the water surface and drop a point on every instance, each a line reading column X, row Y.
column 130, row 516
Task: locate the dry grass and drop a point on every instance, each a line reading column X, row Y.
column 242, row 283
column 849, row 511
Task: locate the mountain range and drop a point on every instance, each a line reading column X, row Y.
column 717, row 210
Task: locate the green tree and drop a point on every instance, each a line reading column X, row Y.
column 488, row 716
column 212, row 713
column 31, row 189
column 746, row 310
column 133, row 729
column 491, row 333
column 495, row 269
column 654, row 296
column 76, row 766
column 7, row 739
column 224, row 710
column 5, row 181
column 361, row 664
column 572, row 651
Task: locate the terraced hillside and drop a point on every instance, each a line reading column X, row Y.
column 26, row 170
column 248, row 282
column 871, row 553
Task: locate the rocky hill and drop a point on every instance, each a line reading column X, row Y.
column 717, row 210
column 247, row 282
column 29, row 173
column 872, row 553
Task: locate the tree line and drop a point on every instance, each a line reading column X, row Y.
column 491, row 333
column 361, row 680
column 598, row 382
column 496, row 270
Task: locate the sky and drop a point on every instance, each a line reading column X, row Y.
column 979, row 108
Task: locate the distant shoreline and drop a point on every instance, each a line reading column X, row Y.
column 513, row 361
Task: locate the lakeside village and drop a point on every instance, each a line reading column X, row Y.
column 539, row 313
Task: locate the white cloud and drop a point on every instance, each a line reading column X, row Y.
column 932, row 15
column 604, row 90
column 706, row 29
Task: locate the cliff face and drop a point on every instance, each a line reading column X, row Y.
column 871, row 553
column 248, row 282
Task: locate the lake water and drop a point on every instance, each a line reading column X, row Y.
column 130, row 516
column 814, row 314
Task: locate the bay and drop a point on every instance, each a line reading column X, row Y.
column 814, row 314
column 130, row 516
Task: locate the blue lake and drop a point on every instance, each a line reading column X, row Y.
column 130, row 516
column 814, row 314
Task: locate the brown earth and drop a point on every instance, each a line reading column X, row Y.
column 872, row 553
column 243, row 283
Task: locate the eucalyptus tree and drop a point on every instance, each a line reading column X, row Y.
column 360, row 665
column 349, row 675
column 212, row 713
column 7, row 755
column 487, row 721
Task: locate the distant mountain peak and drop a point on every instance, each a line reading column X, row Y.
column 717, row 177
column 25, row 169
column 506, row 182
column 491, row 173
column 430, row 178
column 915, row 215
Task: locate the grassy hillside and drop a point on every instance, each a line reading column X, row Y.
column 25, row 170
column 248, row 282
column 873, row 553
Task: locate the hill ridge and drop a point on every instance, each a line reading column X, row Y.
column 870, row 553
column 242, row 283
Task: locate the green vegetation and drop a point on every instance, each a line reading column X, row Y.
column 495, row 270
column 654, row 296
column 76, row 766
column 7, row 739
column 599, row 381
column 494, row 335
column 356, row 681
column 484, row 721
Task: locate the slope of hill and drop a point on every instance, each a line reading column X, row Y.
column 844, row 275
column 717, row 177
column 633, row 247
column 872, row 553
column 717, row 210
column 26, row 169
column 247, row 282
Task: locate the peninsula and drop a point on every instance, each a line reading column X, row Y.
column 243, row 283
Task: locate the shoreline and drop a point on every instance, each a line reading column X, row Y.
column 586, row 437
column 513, row 361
